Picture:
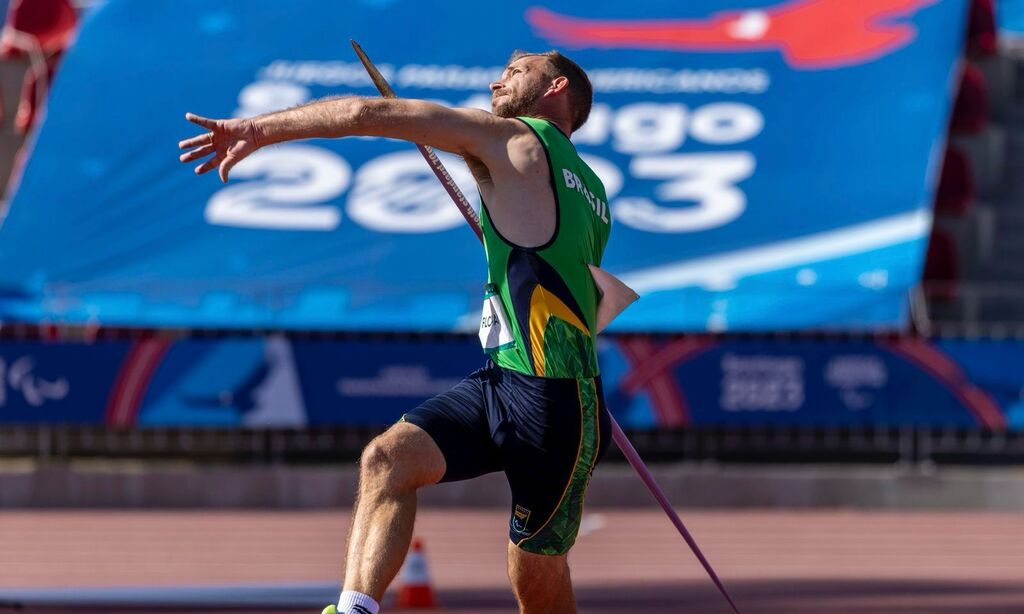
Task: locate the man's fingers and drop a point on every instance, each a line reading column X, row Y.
column 226, row 166
column 208, row 166
column 197, row 153
column 202, row 139
column 235, row 154
column 205, row 122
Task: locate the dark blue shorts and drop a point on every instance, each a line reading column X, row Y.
column 546, row 434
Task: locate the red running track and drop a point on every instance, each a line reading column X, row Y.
column 773, row 562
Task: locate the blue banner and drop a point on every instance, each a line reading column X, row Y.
column 223, row 382
column 1010, row 19
column 769, row 163
column 275, row 382
column 994, row 368
column 365, row 382
column 902, row 382
column 58, row 383
column 260, row 382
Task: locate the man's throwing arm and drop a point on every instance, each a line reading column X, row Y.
column 469, row 133
column 466, row 132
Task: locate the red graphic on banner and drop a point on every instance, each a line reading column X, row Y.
column 810, row 34
column 651, row 370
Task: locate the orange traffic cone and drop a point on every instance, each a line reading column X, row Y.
column 414, row 589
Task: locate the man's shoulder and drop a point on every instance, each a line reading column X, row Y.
column 497, row 134
column 499, row 124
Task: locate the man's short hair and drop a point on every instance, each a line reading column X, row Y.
column 581, row 93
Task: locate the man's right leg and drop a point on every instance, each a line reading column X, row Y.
column 446, row 438
column 392, row 467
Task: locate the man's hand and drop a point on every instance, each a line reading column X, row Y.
column 615, row 296
column 229, row 140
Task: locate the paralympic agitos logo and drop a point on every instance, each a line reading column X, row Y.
column 810, row 34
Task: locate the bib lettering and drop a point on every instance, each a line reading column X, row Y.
column 495, row 331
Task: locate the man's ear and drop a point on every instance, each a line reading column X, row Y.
column 558, row 84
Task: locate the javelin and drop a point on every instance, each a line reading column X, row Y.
column 617, row 434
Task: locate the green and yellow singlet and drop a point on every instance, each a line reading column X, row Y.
column 540, row 304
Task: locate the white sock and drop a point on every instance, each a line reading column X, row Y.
column 351, row 602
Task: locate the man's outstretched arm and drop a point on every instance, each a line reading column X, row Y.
column 467, row 132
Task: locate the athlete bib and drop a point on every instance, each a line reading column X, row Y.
column 495, row 331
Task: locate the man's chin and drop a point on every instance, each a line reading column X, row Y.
column 508, row 111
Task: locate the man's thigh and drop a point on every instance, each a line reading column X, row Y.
column 560, row 431
column 460, row 423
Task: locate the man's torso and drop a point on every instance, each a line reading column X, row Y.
column 541, row 302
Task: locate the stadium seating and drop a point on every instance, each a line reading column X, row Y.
column 37, row 26
column 981, row 29
column 39, row 31
column 33, row 93
column 942, row 266
column 956, row 184
column 971, row 109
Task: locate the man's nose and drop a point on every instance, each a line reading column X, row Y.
column 495, row 86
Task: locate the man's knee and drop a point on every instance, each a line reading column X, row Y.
column 401, row 459
column 377, row 462
column 537, row 573
column 528, row 564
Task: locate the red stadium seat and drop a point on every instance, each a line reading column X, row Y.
column 37, row 26
column 981, row 29
column 955, row 193
column 39, row 30
column 971, row 110
column 942, row 266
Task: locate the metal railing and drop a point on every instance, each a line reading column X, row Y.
column 907, row 445
column 975, row 308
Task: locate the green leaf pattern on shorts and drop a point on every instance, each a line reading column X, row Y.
column 559, row 534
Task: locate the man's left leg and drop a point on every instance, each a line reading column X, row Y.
column 561, row 430
column 541, row 582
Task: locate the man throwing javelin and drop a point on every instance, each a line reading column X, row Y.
column 536, row 410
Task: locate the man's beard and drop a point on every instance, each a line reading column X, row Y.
column 517, row 104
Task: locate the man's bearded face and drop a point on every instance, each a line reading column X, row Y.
column 513, row 103
column 522, row 86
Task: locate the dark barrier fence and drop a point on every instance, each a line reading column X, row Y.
column 908, row 446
